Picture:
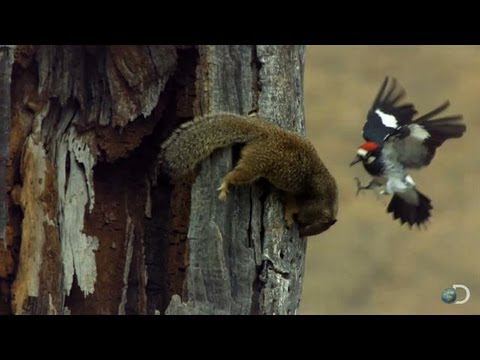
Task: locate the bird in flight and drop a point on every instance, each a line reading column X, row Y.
column 396, row 141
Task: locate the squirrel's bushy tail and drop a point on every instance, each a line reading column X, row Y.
column 195, row 140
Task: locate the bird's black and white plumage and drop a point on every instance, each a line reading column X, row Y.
column 396, row 142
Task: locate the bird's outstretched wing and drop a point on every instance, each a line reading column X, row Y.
column 415, row 143
column 386, row 114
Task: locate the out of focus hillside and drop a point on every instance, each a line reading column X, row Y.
column 367, row 263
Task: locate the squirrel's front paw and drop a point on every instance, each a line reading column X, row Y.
column 291, row 209
column 289, row 212
column 289, row 220
column 222, row 196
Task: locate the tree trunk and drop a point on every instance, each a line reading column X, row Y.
column 92, row 225
column 6, row 61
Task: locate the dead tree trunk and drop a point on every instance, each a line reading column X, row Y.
column 6, row 61
column 91, row 226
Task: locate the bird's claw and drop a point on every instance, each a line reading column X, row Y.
column 359, row 186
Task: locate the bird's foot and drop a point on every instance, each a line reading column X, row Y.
column 360, row 187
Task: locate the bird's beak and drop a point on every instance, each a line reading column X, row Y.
column 356, row 160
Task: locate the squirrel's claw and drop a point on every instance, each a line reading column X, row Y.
column 289, row 220
column 222, row 196
column 291, row 209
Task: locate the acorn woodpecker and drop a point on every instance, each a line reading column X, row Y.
column 396, row 142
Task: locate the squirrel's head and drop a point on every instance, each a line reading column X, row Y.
column 316, row 228
column 319, row 213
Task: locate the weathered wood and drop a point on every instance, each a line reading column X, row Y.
column 39, row 236
column 99, row 231
column 242, row 258
column 66, row 127
column 281, row 99
column 6, row 62
column 6, row 256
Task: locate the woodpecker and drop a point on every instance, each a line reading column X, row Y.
column 396, row 142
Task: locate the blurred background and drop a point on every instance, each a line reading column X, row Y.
column 367, row 263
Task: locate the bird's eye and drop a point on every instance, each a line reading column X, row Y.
column 371, row 159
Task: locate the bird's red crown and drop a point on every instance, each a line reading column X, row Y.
column 370, row 146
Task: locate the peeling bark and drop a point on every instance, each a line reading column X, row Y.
column 6, row 61
column 78, row 248
column 92, row 226
column 38, row 227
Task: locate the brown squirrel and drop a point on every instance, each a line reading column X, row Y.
column 286, row 159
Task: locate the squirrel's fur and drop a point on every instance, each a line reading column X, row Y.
column 286, row 159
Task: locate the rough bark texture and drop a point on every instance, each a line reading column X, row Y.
column 6, row 61
column 94, row 227
column 242, row 258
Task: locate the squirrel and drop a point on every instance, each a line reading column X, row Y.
column 284, row 158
